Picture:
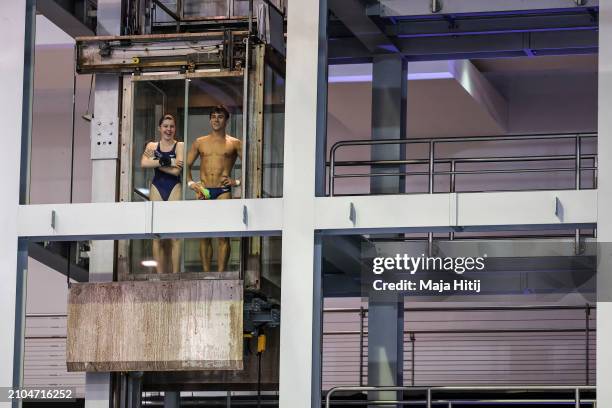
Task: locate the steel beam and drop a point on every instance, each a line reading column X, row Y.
column 402, row 8
column 349, row 50
column 389, row 85
column 57, row 262
column 481, row 90
column 497, row 24
column 62, row 18
column 352, row 14
column 386, row 317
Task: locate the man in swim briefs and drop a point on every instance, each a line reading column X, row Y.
column 218, row 153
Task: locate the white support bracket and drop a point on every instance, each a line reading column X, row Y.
column 352, row 214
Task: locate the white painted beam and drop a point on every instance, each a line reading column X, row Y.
column 402, row 212
column 263, row 217
column 388, row 211
column 95, row 220
column 141, row 220
column 527, row 208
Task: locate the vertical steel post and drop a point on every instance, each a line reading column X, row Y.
column 578, row 155
column 452, row 180
column 587, row 325
column 361, row 321
column 577, row 397
column 27, row 104
column 386, row 317
column 431, row 167
column 412, row 356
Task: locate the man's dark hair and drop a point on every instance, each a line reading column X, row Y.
column 220, row 109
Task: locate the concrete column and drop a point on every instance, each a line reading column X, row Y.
column 386, row 319
column 604, row 213
column 299, row 371
column 12, row 29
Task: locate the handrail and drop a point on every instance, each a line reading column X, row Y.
column 412, row 335
column 577, row 157
column 471, row 308
column 430, row 390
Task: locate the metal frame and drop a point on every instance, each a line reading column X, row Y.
column 151, row 52
column 430, row 400
column 431, row 173
column 253, row 84
column 412, row 333
column 126, row 179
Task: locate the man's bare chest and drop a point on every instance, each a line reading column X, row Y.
column 217, row 150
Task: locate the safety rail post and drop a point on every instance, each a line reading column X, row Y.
column 429, row 391
column 412, row 353
column 577, row 396
column 452, row 180
column 431, row 166
column 587, row 330
column 361, row 321
column 578, row 155
column 332, row 170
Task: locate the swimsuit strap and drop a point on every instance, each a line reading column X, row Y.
column 158, row 148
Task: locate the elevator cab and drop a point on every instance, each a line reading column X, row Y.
column 196, row 326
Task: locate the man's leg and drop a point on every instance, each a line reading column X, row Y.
column 206, row 253
column 176, row 255
column 224, row 243
column 224, row 253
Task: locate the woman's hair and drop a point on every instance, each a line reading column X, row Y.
column 167, row 116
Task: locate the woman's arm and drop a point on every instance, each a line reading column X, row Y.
column 147, row 160
column 177, row 166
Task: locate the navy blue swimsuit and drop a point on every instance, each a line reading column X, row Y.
column 165, row 182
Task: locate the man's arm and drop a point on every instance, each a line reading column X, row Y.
column 228, row 182
column 239, row 148
column 191, row 158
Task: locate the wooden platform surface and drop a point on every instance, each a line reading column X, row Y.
column 155, row 326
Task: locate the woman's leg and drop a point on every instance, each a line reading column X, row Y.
column 175, row 244
column 158, row 247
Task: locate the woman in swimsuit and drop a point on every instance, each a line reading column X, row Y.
column 166, row 158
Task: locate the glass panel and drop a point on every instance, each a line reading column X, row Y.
column 205, row 8
column 274, row 133
column 152, row 99
column 145, row 263
column 204, row 95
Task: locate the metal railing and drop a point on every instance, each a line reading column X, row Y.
column 513, row 343
column 452, row 162
column 430, row 398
